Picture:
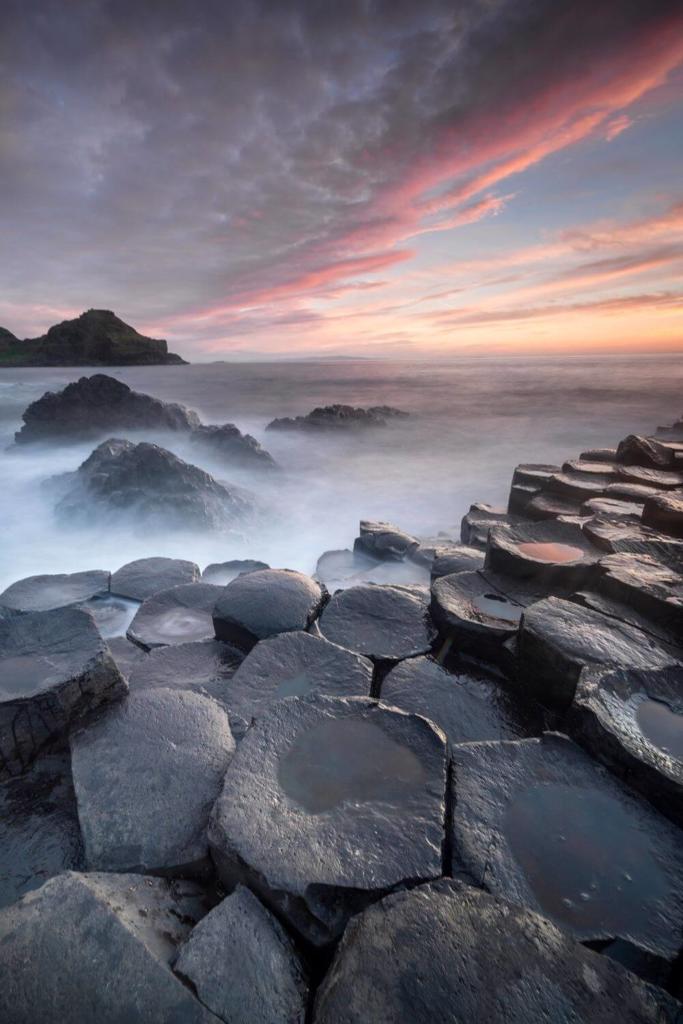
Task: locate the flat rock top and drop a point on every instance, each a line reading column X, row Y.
column 222, row 573
column 546, row 827
column 175, row 616
column 442, row 952
column 41, row 593
column 204, row 666
column 263, row 603
column 485, row 602
column 542, row 544
column 381, row 622
column 147, row 576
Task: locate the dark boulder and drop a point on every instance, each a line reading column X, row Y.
column 384, row 541
column 664, row 512
column 339, row 418
column 178, row 615
column 222, row 573
column 147, row 576
column 533, row 474
column 243, row 965
column 456, row 558
column 99, row 405
column 329, row 803
column 551, row 554
column 578, row 487
column 385, row 623
column 644, row 451
column 613, row 508
column 55, row 668
column 229, row 444
column 615, row 534
column 263, row 603
column 58, row 590
column 203, row 666
column 664, row 479
column 626, row 490
column 653, row 589
column 549, row 505
column 520, row 496
column 146, row 776
column 590, row 469
column 476, row 523
column 599, row 455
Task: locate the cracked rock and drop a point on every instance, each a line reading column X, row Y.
column 385, row 623
column 175, row 616
column 263, row 603
column 42, row 593
column 147, row 576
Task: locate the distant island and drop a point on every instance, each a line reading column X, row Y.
column 95, row 338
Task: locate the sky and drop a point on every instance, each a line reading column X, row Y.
column 399, row 178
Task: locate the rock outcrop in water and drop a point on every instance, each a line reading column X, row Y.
column 95, row 338
column 339, row 418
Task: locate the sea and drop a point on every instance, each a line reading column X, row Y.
column 471, row 421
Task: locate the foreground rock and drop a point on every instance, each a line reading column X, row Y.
column 345, row 568
column 340, row 418
column 147, row 576
column 243, row 965
column 552, row 554
column 152, row 484
column 228, row 443
column 261, row 604
column 96, row 406
column 126, row 654
column 55, row 668
column 650, row 587
column 455, row 558
column 328, row 804
column 146, row 776
column 175, row 616
column 632, row 721
column 96, row 947
column 205, row 666
column 58, row 590
column 451, row 953
column 39, row 831
column 222, row 573
column 539, row 823
column 384, row 623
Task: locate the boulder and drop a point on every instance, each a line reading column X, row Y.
column 222, row 573
column 464, row 706
column 558, row 639
column 449, row 953
column 175, row 616
column 456, row 558
column 97, row 406
column 664, row 512
column 97, row 947
column 538, row 822
column 203, row 666
column 263, row 603
column 146, row 776
column 339, row 417
column 635, row 450
column 55, row 668
column 632, row 721
column 229, row 444
column 384, row 541
column 243, row 965
column 328, row 804
column 58, row 590
column 147, row 576
column 384, row 623
column 154, row 485
column 39, row 831
column 553, row 555
column 345, row 568
column 652, row 588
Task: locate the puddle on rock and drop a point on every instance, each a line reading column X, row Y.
column 495, row 606
column 586, row 859
column 661, row 726
column 178, row 625
column 113, row 615
column 346, row 760
column 550, row 552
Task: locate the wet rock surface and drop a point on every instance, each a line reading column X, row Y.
column 551, row 554
column 664, row 512
column 385, row 623
column 456, row 558
column 385, row 541
column 339, row 418
column 113, row 615
column 261, row 604
column 452, row 953
column 145, row 577
column 175, row 616
column 102, row 947
column 538, row 822
column 344, row 568
column 54, row 669
column 146, row 776
column 476, row 523
column 205, row 666
column 644, row 451
column 650, row 587
column 243, row 965
column 222, row 573
column 227, row 442
column 329, row 803
column 41, row 593
column 126, row 654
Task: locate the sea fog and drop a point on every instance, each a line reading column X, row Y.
column 471, row 421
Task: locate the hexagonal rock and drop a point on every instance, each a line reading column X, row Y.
column 293, row 665
column 591, row 468
column 206, row 666
column 147, row 576
column 644, row 451
column 535, row 474
column 578, row 486
column 549, row 505
column 599, row 455
column 466, row 708
column 328, row 804
column 477, row 522
column 653, row 589
column 146, row 776
column 265, row 603
column 55, row 668
column 520, row 496
column 613, row 535
column 613, row 508
column 448, row 952
column 345, row 568
column 628, row 491
column 95, row 947
column 664, row 512
column 558, row 639
column 632, row 721
column 39, row 831
column 175, row 616
column 456, row 558
column 126, row 654
column 666, row 479
column 384, row 541
column 550, row 554
column 385, row 623
column 222, row 573
column 243, row 965
column 42, row 593
column 538, row 822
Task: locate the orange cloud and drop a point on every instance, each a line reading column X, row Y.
column 617, row 126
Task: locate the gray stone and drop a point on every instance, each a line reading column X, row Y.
column 538, row 822
column 89, row 948
column 126, row 654
column 447, row 953
column 385, row 541
column 614, row 535
column 664, row 512
column 345, row 568
column 477, row 522
column 261, row 604
column 146, row 776
column 329, row 803
column 520, row 496
column 626, row 490
column 456, row 558
column 578, row 486
column 147, row 576
column 591, row 468
column 222, row 573
column 293, row 665
column 55, row 669
column 39, row 832
column 665, row 479
column 243, row 965
column 339, row 418
column 534, row 474
column 175, row 616
column 41, row 593
column 552, row 554
column 653, row 589
column 385, row 623
column 613, row 508
column 550, row 505
column 227, row 442
column 635, row 450
column 204, row 666
column 599, row 455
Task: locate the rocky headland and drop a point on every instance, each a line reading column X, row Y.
column 339, row 418
column 440, row 779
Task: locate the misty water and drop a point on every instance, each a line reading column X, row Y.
column 471, row 421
